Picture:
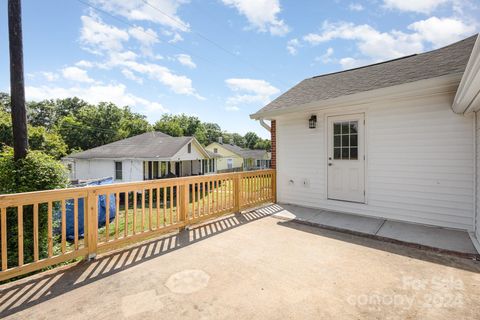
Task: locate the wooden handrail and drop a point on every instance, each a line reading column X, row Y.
column 143, row 209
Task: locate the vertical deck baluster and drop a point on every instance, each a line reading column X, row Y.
column 117, row 214
column 75, row 223
column 158, row 207
column 134, row 212
column 20, row 235
column 107, row 217
column 3, row 235
column 177, row 202
column 35, row 232
column 64, row 225
column 171, row 204
column 193, row 200
column 50, row 229
column 204, row 186
column 126, row 209
column 143, row 210
column 150, row 208
column 165, row 206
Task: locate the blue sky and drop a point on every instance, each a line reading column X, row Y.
column 220, row 60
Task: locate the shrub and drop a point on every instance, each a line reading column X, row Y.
column 38, row 171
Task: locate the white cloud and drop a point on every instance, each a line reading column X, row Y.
column 261, row 14
column 97, row 36
column 131, row 76
column 355, row 7
column 142, row 11
column 84, row 64
column 94, row 94
column 350, row 63
column 186, row 60
column 441, row 31
column 249, row 91
column 422, row 6
column 232, row 108
column 326, row 57
column 292, row 46
column 50, row 76
column 76, row 74
column 146, row 37
column 176, row 38
column 374, row 45
column 177, row 83
column 117, row 57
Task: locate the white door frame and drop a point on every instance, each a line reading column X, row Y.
column 363, row 142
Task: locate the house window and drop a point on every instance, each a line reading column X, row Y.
column 229, row 163
column 345, row 140
column 215, row 150
column 189, row 148
column 118, row 170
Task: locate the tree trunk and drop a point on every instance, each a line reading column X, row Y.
column 17, row 86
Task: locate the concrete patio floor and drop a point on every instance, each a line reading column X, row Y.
column 434, row 238
column 254, row 266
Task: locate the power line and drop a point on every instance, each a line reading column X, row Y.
column 219, row 46
column 148, row 34
column 183, row 25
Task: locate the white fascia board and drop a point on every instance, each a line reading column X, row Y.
column 467, row 98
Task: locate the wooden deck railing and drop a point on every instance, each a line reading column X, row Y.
column 40, row 229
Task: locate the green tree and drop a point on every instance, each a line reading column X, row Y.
column 169, row 126
column 42, row 114
column 6, row 135
column 49, row 142
column 4, row 102
column 263, row 144
column 238, row 140
column 133, row 124
column 38, row 171
column 213, row 132
column 251, row 138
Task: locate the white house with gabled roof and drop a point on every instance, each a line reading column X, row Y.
column 398, row 140
column 152, row 155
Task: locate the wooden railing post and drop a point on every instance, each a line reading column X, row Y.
column 237, row 193
column 92, row 223
column 183, row 197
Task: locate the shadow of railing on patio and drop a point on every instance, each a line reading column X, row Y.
column 30, row 292
column 384, row 245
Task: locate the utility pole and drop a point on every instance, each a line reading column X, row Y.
column 17, row 85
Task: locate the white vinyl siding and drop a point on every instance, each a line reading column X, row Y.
column 419, row 162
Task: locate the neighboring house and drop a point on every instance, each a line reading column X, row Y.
column 233, row 158
column 397, row 140
column 151, row 155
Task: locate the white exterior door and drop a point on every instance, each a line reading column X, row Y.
column 346, row 158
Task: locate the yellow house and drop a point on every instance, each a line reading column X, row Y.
column 234, row 158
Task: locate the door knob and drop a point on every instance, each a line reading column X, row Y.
column 330, row 164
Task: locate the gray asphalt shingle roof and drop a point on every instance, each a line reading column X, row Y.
column 244, row 153
column 146, row 145
column 444, row 61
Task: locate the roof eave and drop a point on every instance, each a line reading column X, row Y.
column 467, row 98
column 410, row 90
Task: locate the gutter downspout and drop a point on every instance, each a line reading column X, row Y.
column 266, row 126
column 473, row 235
